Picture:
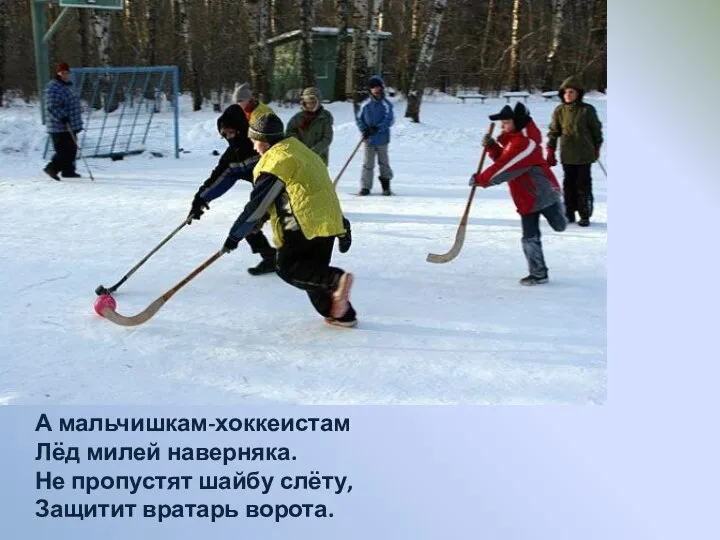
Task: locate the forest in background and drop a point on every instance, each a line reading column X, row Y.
column 490, row 45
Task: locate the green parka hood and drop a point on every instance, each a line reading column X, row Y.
column 571, row 82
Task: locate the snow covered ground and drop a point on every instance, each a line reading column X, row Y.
column 463, row 332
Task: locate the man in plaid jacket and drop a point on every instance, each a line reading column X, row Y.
column 64, row 120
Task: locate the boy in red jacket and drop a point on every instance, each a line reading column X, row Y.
column 518, row 160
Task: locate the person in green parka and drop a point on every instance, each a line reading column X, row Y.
column 577, row 126
column 313, row 125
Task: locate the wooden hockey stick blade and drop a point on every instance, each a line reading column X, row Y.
column 460, row 235
column 153, row 308
column 454, row 250
column 135, row 320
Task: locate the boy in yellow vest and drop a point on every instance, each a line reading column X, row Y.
column 293, row 189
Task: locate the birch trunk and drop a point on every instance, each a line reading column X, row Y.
column 417, row 85
column 260, row 57
column 515, row 48
column 307, row 18
column 360, row 74
column 101, row 29
column 187, row 41
column 551, row 58
column 484, row 48
column 341, row 64
column 373, row 37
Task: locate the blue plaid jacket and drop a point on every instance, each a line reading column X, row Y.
column 61, row 101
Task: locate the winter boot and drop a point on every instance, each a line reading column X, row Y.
column 349, row 320
column 363, row 192
column 584, row 222
column 571, row 217
column 341, row 297
column 534, row 280
column 345, row 322
column 385, row 183
column 51, row 171
column 71, row 174
column 265, row 266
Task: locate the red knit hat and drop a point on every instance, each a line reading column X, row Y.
column 62, row 66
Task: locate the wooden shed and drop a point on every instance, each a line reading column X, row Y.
column 285, row 50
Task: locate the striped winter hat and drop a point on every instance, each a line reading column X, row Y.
column 268, row 128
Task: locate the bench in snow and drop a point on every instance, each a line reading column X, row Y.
column 463, row 97
column 510, row 95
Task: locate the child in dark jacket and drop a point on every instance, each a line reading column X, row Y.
column 518, row 160
column 238, row 162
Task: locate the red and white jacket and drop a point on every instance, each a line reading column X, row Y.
column 518, row 160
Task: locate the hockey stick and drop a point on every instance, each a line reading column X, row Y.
column 80, row 151
column 337, row 178
column 460, row 235
column 602, row 167
column 153, row 308
column 102, row 290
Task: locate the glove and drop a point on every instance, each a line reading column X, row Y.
column 475, row 181
column 551, row 157
column 369, row 131
column 197, row 209
column 597, row 154
column 346, row 240
column 65, row 120
column 487, row 140
column 230, row 244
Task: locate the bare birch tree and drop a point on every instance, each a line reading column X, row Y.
column 101, row 29
column 373, row 52
column 408, row 59
column 190, row 65
column 343, row 17
column 260, row 57
column 359, row 57
column 83, row 36
column 151, row 19
column 486, row 39
column 417, row 85
column 515, row 47
column 551, row 58
column 307, row 19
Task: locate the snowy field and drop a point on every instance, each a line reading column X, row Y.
column 462, row 332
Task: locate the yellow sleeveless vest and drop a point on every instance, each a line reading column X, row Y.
column 260, row 110
column 312, row 196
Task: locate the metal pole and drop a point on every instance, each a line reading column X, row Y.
column 176, row 107
column 56, row 25
column 37, row 7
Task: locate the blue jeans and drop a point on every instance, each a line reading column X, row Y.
column 532, row 246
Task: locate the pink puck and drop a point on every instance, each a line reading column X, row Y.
column 104, row 301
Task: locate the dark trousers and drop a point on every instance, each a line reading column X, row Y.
column 65, row 152
column 577, row 187
column 305, row 264
column 532, row 246
column 259, row 244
